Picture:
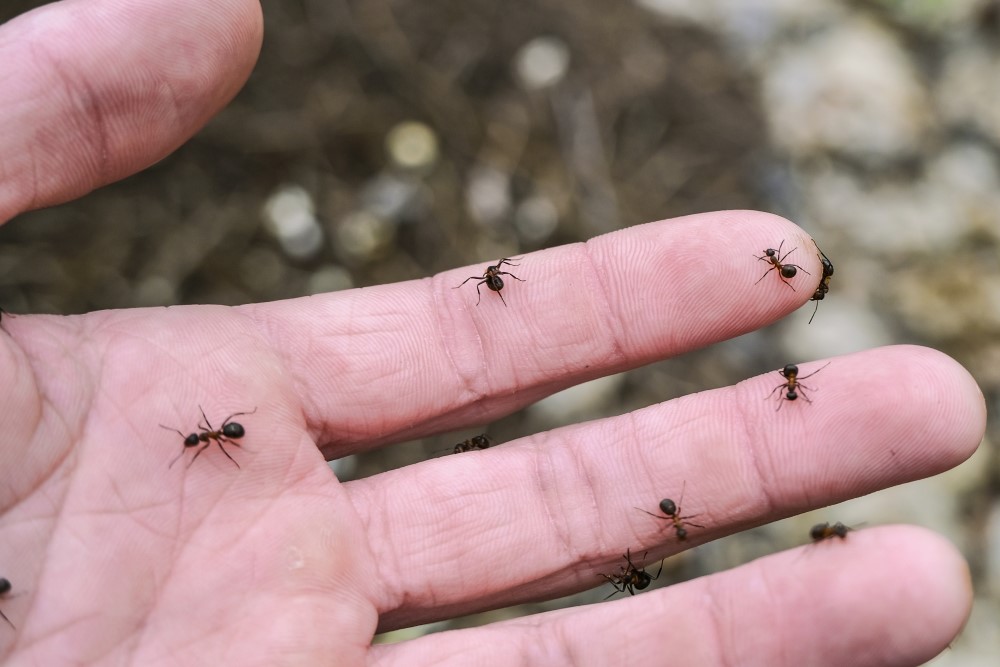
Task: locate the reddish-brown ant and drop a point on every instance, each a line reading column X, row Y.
column 793, row 384
column 823, row 531
column 824, row 284
column 673, row 514
column 777, row 261
column 228, row 432
column 491, row 276
column 4, row 589
column 632, row 577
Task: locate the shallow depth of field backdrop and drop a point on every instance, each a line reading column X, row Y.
column 385, row 140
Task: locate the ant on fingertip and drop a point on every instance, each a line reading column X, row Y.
column 777, row 261
column 491, row 277
column 631, row 577
column 824, row 284
column 229, row 432
column 793, row 385
column 672, row 511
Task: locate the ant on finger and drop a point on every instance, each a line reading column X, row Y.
column 4, row 589
column 477, row 442
column 631, row 577
column 823, row 531
column 824, row 284
column 673, row 514
column 793, row 384
column 777, row 261
column 228, row 432
column 491, row 276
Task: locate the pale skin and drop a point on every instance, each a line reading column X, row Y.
column 115, row 559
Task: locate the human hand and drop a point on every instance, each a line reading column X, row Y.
column 117, row 559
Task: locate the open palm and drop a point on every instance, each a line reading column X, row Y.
column 118, row 559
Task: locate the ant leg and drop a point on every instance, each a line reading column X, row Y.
column 765, row 274
column 660, row 570
column 227, row 453
column 198, row 453
column 781, row 258
column 176, row 458
column 478, row 293
column 466, row 280
column 7, row 619
column 501, row 299
column 504, row 273
column 783, row 384
column 208, row 423
column 814, row 312
column 651, row 514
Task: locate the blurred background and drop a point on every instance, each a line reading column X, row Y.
column 385, row 140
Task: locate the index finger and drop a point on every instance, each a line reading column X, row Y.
column 583, row 311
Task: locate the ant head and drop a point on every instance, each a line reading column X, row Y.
column 668, row 507
column 233, row 430
column 790, row 370
column 788, row 270
column 792, row 395
column 840, row 530
column 191, row 440
column 481, row 442
column 770, row 252
column 4, row 586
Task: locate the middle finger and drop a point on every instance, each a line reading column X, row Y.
column 540, row 517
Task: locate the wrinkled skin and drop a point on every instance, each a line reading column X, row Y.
column 116, row 560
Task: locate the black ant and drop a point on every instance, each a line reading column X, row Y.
column 632, row 577
column 228, row 432
column 673, row 514
column 477, row 442
column 792, row 383
column 491, row 276
column 777, row 260
column 823, row 531
column 824, row 284
column 4, row 589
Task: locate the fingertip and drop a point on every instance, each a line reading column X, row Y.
column 94, row 92
column 926, row 577
column 950, row 390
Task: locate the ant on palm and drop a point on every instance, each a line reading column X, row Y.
column 632, row 577
column 4, row 589
column 823, row 531
column 777, row 261
column 491, row 276
column 228, row 432
column 793, row 384
column 824, row 284
column 673, row 514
